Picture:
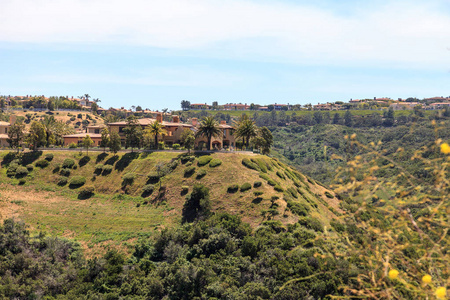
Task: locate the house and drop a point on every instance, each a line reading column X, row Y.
column 78, row 138
column 439, row 105
column 236, row 106
column 280, row 106
column 224, row 141
column 403, row 105
column 200, row 106
column 4, row 130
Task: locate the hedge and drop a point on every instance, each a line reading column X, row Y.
column 68, row 163
column 245, row 187
column 204, row 160
column 215, row 163
column 42, row 163
column 77, row 181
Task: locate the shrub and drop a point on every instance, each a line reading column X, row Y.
column 272, row 182
column 278, row 188
column 215, row 163
column 257, row 184
column 98, row 169
column 298, row 209
column 128, row 179
column 245, row 187
column 22, row 181
column 233, row 188
column 264, row 176
column 328, row 194
column 84, row 160
column 339, row 227
column 64, row 172
column 201, row 173
column 68, row 163
column 30, row 168
column 153, row 177
column 279, row 174
column 188, row 164
column 311, row 223
column 147, row 190
column 176, row 146
column 249, row 164
column 107, row 169
column 188, row 158
column 11, row 171
column 21, row 172
column 261, row 164
column 73, row 145
column 42, row 163
column 86, row 192
column 77, row 181
column 189, row 171
column 62, row 181
column 204, row 160
column 197, row 205
column 292, row 192
column 161, row 145
column 49, row 157
column 184, row 189
column 258, row 193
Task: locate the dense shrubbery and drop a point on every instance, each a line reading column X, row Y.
column 201, row 173
column 77, row 181
column 147, row 190
column 49, row 156
column 42, row 163
column 21, row 172
column 233, row 188
column 62, row 181
column 215, row 163
column 189, row 171
column 107, row 169
column 86, row 192
column 249, row 164
column 245, row 187
column 204, row 160
column 68, row 163
column 128, row 179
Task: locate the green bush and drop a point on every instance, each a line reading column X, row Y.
column 187, row 158
column 201, row 173
column 107, row 169
column 233, row 188
column 64, row 172
column 68, row 163
column 249, row 164
column 22, row 181
column 298, row 209
column 215, row 163
column 184, row 189
column 188, row 164
column 11, row 171
column 257, row 184
column 62, row 181
column 189, row 171
column 147, row 190
column 311, row 223
column 176, row 146
column 42, row 163
column 264, row 176
column 279, row 174
column 245, row 187
column 278, row 188
column 77, row 181
column 86, row 192
column 328, row 194
column 21, row 172
column 128, row 179
column 262, row 165
column 292, row 192
column 204, row 160
column 98, row 169
column 258, row 193
column 73, row 145
column 272, row 182
column 49, row 157
column 30, row 168
column 339, row 227
column 153, row 177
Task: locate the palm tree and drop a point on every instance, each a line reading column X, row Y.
column 208, row 127
column 155, row 129
column 245, row 129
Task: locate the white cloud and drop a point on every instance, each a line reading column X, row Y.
column 398, row 34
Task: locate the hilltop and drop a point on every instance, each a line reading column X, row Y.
column 131, row 198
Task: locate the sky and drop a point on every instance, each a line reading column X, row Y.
column 157, row 53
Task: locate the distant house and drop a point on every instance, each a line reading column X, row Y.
column 78, row 138
column 200, row 106
column 4, row 128
column 280, row 106
column 236, row 106
column 403, row 105
column 439, row 105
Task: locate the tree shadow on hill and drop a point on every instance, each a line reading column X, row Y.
column 30, row 157
column 8, row 158
column 125, row 160
column 84, row 160
column 101, row 157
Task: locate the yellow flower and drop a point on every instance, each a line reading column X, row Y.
column 393, row 274
column 426, row 279
column 445, row 148
column 353, row 136
column 441, row 292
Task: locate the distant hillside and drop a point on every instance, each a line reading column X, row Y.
column 137, row 193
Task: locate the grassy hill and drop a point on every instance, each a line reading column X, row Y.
column 136, row 194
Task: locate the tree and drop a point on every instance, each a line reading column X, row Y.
column 49, row 124
column 188, row 139
column 37, row 135
column 51, row 105
column 209, row 128
column 264, row 140
column 389, row 119
column 336, row 118
column 2, row 104
column 114, row 142
column 15, row 135
column 197, row 205
column 133, row 133
column 246, row 129
column 185, row 105
column 94, row 107
column 87, row 142
column 156, row 129
column 348, row 118
column 105, row 139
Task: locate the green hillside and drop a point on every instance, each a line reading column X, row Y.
column 134, row 194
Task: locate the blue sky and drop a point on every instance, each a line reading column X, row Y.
column 157, row 53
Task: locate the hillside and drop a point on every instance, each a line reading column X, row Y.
column 129, row 200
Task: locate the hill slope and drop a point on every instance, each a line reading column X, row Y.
column 123, row 205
